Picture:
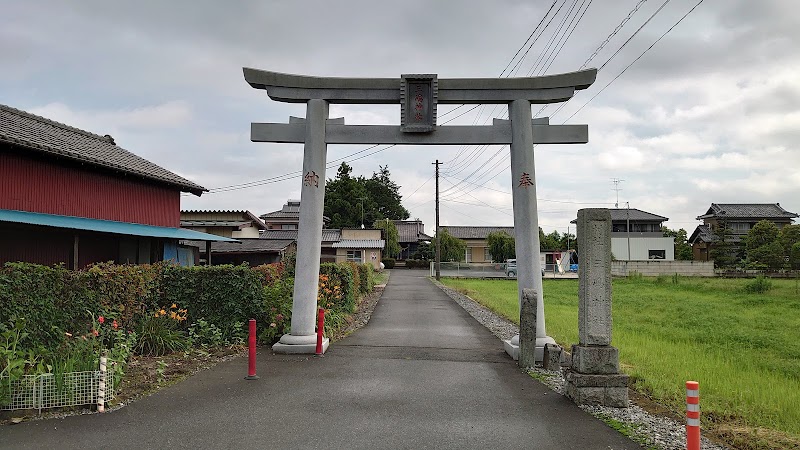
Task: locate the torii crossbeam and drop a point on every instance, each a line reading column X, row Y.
column 418, row 95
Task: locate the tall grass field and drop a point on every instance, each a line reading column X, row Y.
column 743, row 348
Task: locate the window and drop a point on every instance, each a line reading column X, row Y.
column 739, row 227
column 354, row 256
column 290, row 226
column 468, row 256
column 657, row 254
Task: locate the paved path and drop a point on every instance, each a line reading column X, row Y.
column 422, row 374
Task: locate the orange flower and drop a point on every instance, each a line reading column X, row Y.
column 95, row 332
column 101, row 319
column 115, row 324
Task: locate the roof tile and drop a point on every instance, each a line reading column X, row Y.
column 41, row 135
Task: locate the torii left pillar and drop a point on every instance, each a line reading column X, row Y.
column 303, row 338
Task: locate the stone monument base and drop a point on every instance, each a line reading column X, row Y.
column 299, row 345
column 606, row 390
column 512, row 347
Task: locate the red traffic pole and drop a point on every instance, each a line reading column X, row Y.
column 251, row 360
column 692, row 415
column 320, row 329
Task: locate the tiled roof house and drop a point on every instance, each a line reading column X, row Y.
column 73, row 197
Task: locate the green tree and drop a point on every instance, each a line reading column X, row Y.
column 764, row 249
column 788, row 237
column 768, row 256
column 763, row 233
column 723, row 250
column 501, row 246
column 385, row 195
column 452, row 248
column 352, row 201
column 425, row 251
column 794, row 256
column 343, row 199
column 683, row 251
column 550, row 241
column 390, row 231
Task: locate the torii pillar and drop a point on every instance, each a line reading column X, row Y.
column 418, row 95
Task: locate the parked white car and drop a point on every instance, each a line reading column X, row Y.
column 511, row 268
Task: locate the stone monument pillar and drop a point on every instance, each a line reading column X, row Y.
column 303, row 337
column 594, row 377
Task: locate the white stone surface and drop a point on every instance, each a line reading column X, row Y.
column 309, row 233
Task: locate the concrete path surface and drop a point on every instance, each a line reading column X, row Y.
column 422, row 374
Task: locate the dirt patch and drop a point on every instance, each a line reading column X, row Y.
column 147, row 374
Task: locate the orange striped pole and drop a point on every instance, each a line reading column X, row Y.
column 692, row 415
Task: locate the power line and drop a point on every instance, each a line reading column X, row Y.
column 635, row 60
column 610, row 36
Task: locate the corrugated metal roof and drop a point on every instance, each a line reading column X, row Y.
column 245, row 246
column 360, row 243
column 105, row 226
column 467, row 232
column 328, row 235
column 186, row 215
column 214, row 223
column 42, row 135
column 747, row 211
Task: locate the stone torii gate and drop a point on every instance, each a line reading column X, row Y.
column 418, row 95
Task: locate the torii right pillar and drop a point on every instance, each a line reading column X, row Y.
column 594, row 378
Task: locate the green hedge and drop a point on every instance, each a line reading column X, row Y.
column 55, row 301
column 388, row 263
column 418, row 263
column 227, row 296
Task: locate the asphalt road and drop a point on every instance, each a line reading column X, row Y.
column 421, row 374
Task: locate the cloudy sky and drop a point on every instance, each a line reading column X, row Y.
column 711, row 113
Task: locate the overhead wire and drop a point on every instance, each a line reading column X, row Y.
column 637, row 59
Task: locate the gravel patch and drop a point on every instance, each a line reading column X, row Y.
column 652, row 431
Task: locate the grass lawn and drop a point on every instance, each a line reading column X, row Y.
column 743, row 348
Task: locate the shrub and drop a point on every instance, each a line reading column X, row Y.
column 270, row 273
column 417, row 263
column 341, row 276
column 37, row 294
column 227, row 296
column 388, row 263
column 160, row 333
column 367, row 276
column 278, row 310
column 758, row 285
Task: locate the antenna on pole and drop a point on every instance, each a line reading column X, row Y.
column 616, row 188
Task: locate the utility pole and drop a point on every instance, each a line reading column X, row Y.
column 438, row 262
column 362, row 211
column 628, row 227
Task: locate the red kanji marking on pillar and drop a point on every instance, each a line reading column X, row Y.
column 525, row 180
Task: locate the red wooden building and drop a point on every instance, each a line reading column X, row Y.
column 74, row 197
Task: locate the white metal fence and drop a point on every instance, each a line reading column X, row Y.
column 51, row 391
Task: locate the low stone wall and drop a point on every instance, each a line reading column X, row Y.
column 660, row 267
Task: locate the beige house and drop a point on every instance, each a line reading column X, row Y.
column 360, row 246
column 475, row 239
column 232, row 224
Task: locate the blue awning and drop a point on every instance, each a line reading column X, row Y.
column 106, row 226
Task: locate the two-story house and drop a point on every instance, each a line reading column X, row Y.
column 739, row 218
column 636, row 236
